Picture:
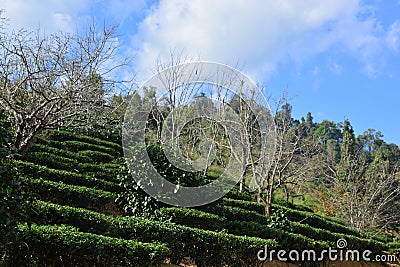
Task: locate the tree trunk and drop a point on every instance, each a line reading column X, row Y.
column 268, row 209
column 242, row 183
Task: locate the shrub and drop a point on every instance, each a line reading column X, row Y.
column 235, row 213
column 13, row 195
column 108, row 130
column 284, row 203
column 284, row 239
column 394, row 248
column 70, row 136
column 52, row 161
column 353, row 242
column 73, row 195
column 73, row 178
column 191, row 218
column 314, row 220
column 205, row 247
column 59, row 152
column 66, row 246
column 244, row 204
column 63, row 163
column 110, row 168
column 235, row 194
column 96, row 156
column 101, row 175
column 76, row 146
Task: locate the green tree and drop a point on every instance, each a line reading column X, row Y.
column 12, row 208
column 348, row 165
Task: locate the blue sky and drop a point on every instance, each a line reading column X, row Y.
column 340, row 59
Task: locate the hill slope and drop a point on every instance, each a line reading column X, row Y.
column 75, row 179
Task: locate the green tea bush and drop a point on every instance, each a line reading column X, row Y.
column 79, row 196
column 247, row 205
column 63, row 163
column 235, row 213
column 33, row 170
column 96, row 156
column 76, row 146
column 60, row 152
column 110, row 168
column 70, row 136
column 236, row 194
column 314, row 220
column 66, row 246
column 353, row 242
column 285, row 239
column 284, row 203
column 394, row 248
column 191, row 218
column 206, row 248
column 52, row 161
column 101, row 175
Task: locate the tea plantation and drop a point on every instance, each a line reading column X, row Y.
column 76, row 220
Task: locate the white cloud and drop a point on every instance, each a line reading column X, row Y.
column 49, row 15
column 259, row 34
column 393, row 36
column 336, row 68
column 315, row 71
column 370, row 71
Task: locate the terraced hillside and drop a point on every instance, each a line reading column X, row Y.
column 76, row 221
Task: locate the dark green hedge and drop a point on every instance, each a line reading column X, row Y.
column 37, row 171
column 96, row 156
column 70, row 136
column 191, row 218
column 68, row 164
column 314, row 220
column 206, row 248
column 248, row 205
column 203, row 220
column 101, row 175
column 52, row 161
column 59, row 152
column 85, row 156
column 66, row 246
column 235, row 194
column 283, row 202
column 394, row 248
column 110, row 168
column 236, row 213
column 76, row 146
column 285, row 239
column 310, row 227
column 300, row 236
column 73, row 195
column 353, row 242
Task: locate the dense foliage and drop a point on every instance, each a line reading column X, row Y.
column 77, row 217
column 12, row 195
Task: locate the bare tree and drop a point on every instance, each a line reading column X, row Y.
column 293, row 160
column 50, row 81
column 366, row 195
